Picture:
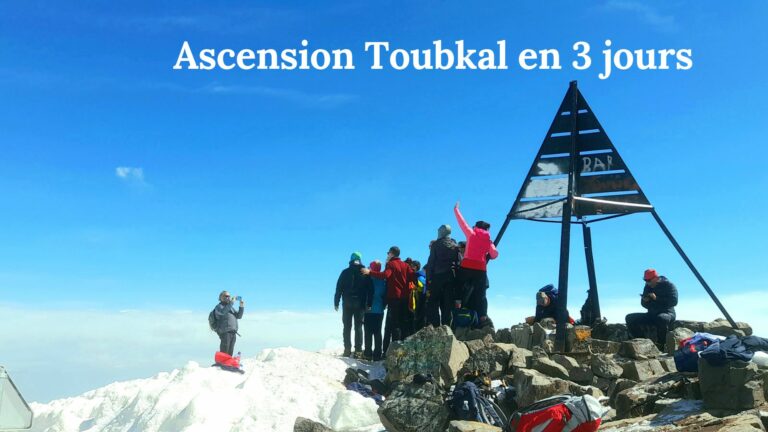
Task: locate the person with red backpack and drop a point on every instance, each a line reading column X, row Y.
column 473, row 266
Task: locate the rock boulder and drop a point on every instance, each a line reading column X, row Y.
column 430, row 351
column 639, row 349
column 414, row 408
column 734, row 386
column 306, row 425
column 606, row 367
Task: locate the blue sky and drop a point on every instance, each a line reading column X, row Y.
column 263, row 182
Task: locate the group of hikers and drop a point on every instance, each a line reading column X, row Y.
column 451, row 290
column 454, row 278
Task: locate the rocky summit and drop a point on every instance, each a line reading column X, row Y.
column 637, row 385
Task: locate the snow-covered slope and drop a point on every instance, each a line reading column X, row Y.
column 279, row 385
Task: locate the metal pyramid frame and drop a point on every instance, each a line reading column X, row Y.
column 578, row 177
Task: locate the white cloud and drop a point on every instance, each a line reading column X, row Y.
column 132, row 176
column 57, row 353
column 664, row 23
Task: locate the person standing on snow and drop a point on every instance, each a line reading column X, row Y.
column 226, row 321
column 351, row 290
column 473, row 265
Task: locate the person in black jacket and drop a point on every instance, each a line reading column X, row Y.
column 226, row 321
column 441, row 277
column 660, row 298
column 352, row 290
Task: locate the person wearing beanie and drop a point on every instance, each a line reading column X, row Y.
column 441, row 277
column 473, row 270
column 443, row 231
column 374, row 315
column 659, row 297
column 546, row 305
column 352, row 290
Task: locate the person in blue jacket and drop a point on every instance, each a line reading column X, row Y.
column 546, row 305
column 374, row 315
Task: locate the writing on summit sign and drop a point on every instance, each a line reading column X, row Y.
column 437, row 57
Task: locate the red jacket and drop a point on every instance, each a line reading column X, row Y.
column 397, row 274
column 478, row 245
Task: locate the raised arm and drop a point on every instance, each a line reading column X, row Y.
column 462, row 223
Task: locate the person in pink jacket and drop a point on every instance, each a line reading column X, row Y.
column 473, row 268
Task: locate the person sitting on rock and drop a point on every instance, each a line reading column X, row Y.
column 546, row 305
column 660, row 298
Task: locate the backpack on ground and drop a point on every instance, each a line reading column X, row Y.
column 227, row 362
column 687, row 354
column 463, row 317
column 466, row 403
column 563, row 413
column 212, row 321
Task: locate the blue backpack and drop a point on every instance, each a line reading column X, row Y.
column 687, row 354
column 466, row 403
column 463, row 317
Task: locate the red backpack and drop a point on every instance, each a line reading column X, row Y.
column 225, row 359
column 559, row 414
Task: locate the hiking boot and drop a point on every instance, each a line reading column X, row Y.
column 346, row 353
column 357, row 355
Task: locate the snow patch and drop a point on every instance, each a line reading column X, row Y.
column 279, row 385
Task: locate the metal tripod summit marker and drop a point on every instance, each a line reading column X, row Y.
column 578, row 177
column 603, row 184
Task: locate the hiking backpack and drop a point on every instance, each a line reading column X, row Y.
column 212, row 321
column 687, row 354
column 466, row 403
column 563, row 413
column 463, row 317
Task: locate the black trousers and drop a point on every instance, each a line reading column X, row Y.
column 477, row 282
column 441, row 298
column 348, row 315
column 399, row 321
column 661, row 322
column 227, row 344
column 372, row 325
